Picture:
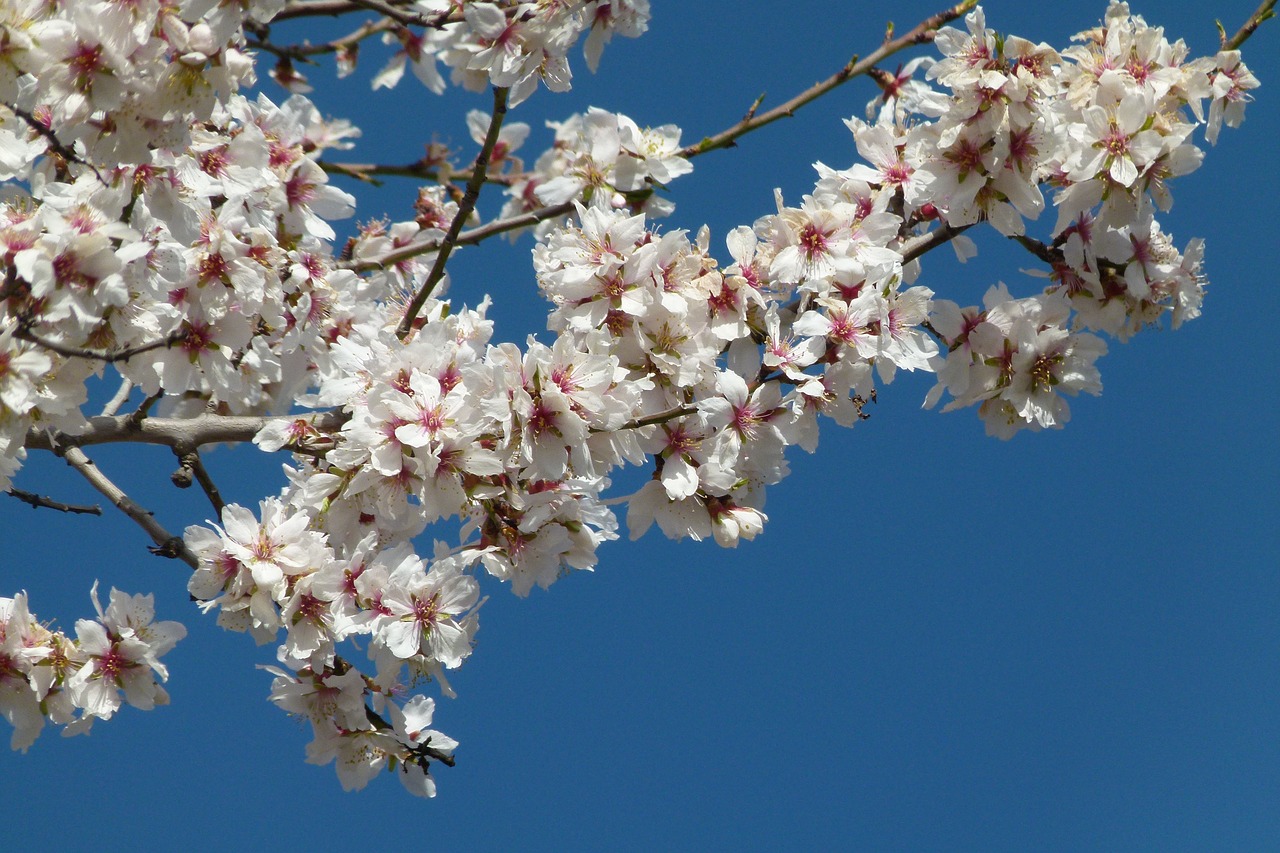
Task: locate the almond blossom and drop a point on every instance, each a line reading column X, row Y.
column 168, row 231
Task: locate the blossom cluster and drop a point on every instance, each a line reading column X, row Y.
column 112, row 660
column 192, row 250
column 275, row 574
column 508, row 43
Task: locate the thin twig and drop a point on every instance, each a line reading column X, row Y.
column 1037, row 248
column 49, row 503
column 56, row 145
column 1265, row 11
column 109, row 357
column 465, row 207
column 122, row 394
column 917, row 246
column 923, row 32
column 143, row 411
column 466, row 238
column 303, row 52
column 407, row 18
column 167, row 545
column 659, row 418
column 420, row 170
column 191, row 467
column 317, row 8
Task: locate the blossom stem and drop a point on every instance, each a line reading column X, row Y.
column 55, row 144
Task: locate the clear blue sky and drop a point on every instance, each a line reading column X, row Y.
column 1065, row 642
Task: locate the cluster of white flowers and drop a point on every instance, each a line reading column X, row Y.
column 1107, row 124
column 45, row 674
column 507, row 43
column 180, row 232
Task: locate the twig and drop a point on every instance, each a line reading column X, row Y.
column 167, row 545
column 25, row 333
column 304, row 51
column 190, row 467
column 466, row 238
column 37, row 501
column 122, row 394
column 143, row 411
column 465, row 207
column 917, row 246
column 420, row 170
column 923, row 32
column 395, row 14
column 1265, row 11
column 333, row 8
column 1037, row 248
column 55, row 144
column 659, row 418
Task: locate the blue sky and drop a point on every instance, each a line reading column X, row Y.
column 942, row 641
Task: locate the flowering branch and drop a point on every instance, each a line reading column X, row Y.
column 399, row 15
column 465, row 207
column 122, row 394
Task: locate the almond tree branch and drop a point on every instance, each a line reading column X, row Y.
column 109, row 357
column 466, row 238
column 922, row 33
column 305, row 50
column 334, row 8
column 659, row 418
column 167, row 545
column 37, row 501
column 315, row 8
column 1265, row 11
column 465, row 207
column 173, row 432
column 421, row 170
column 190, row 467
column 401, row 15
column 919, row 245
column 1039, row 249
column 122, row 394
column 56, row 145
